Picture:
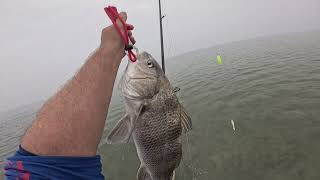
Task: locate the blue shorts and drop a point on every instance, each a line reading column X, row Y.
column 25, row 165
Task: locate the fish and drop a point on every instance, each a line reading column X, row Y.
column 154, row 119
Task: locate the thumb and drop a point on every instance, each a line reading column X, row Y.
column 123, row 16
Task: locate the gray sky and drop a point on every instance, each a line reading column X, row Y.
column 43, row 43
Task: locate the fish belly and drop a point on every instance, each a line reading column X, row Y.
column 159, row 147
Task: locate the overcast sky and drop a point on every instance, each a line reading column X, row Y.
column 43, row 43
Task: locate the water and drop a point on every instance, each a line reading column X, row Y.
column 270, row 87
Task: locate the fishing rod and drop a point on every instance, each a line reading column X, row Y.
column 176, row 89
column 161, row 38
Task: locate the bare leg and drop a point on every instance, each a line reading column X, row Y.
column 72, row 121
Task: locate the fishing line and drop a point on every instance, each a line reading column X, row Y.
column 167, row 31
column 168, row 53
column 170, row 46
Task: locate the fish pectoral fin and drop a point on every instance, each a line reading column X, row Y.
column 186, row 122
column 121, row 132
column 143, row 173
column 135, row 119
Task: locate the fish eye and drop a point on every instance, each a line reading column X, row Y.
column 150, row 65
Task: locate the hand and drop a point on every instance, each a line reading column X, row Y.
column 111, row 42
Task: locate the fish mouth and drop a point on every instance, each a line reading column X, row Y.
column 135, row 78
column 128, row 79
column 138, row 78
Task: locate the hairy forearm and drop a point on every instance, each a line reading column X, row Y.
column 63, row 123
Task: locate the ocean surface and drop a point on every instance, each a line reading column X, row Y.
column 269, row 87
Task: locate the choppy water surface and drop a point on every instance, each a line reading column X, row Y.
column 270, row 87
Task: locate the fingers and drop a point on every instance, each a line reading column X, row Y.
column 133, row 41
column 123, row 15
column 129, row 27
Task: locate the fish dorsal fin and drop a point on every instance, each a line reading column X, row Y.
column 185, row 119
column 121, row 132
column 143, row 173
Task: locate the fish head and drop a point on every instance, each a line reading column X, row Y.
column 141, row 79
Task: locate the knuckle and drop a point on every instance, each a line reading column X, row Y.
column 104, row 30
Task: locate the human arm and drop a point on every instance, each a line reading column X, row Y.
column 72, row 121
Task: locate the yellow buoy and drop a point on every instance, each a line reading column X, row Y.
column 219, row 59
